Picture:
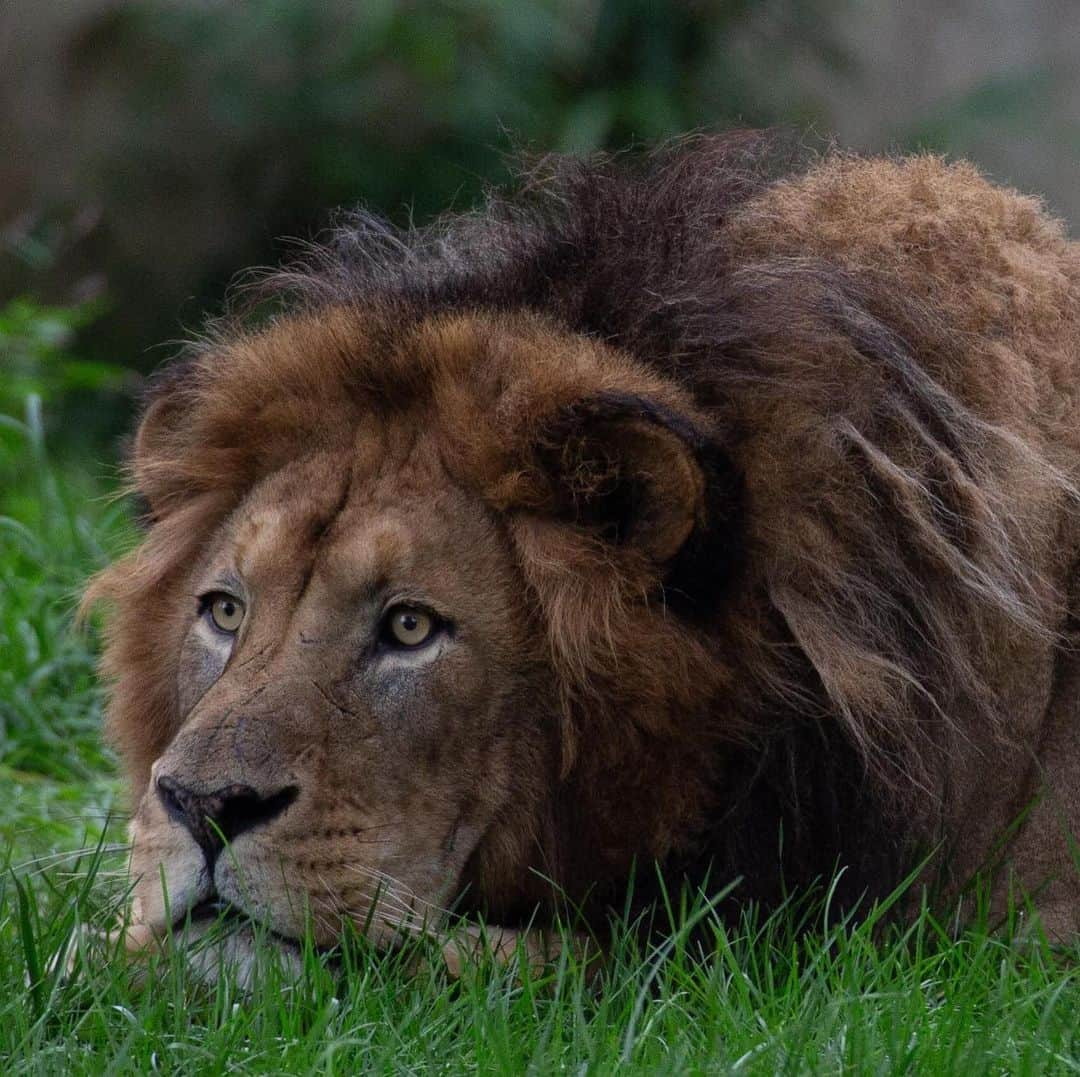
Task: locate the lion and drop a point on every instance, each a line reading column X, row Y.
column 711, row 509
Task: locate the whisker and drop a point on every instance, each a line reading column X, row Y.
column 384, row 893
column 47, row 860
column 90, row 813
column 396, row 884
column 387, row 908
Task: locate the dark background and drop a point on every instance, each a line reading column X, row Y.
column 150, row 149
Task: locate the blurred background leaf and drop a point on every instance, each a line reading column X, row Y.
column 36, row 342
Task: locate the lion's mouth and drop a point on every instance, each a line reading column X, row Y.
column 218, row 938
column 216, row 910
column 212, row 909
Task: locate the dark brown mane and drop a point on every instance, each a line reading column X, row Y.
column 622, row 248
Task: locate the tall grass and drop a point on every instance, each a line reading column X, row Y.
column 759, row 997
column 54, row 530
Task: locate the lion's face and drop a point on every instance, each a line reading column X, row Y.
column 397, row 638
column 355, row 656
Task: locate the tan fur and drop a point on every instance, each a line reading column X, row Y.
column 872, row 457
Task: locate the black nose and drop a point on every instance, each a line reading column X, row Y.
column 223, row 815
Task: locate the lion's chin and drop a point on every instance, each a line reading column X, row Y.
column 220, row 942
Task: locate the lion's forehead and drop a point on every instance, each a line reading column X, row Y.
column 279, row 541
column 348, row 526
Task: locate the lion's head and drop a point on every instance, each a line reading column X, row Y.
column 677, row 515
column 389, row 570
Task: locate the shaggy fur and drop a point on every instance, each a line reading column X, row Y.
column 781, row 456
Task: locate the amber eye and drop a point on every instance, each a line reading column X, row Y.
column 226, row 612
column 407, row 626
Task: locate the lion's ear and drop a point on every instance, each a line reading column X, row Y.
column 627, row 468
column 154, row 446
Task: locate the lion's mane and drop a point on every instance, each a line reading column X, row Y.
column 876, row 344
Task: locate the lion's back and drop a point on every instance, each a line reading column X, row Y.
column 993, row 269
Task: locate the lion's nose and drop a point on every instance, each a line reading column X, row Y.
column 223, row 815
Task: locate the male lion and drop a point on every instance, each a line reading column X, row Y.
column 671, row 511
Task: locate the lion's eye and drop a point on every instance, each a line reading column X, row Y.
column 408, row 627
column 226, row 612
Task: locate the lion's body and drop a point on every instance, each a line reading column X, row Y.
column 752, row 501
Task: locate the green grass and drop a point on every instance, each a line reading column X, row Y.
column 761, row 997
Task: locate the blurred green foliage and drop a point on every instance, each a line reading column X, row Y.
column 36, row 357
column 200, row 132
column 55, row 529
column 996, row 104
column 412, row 102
